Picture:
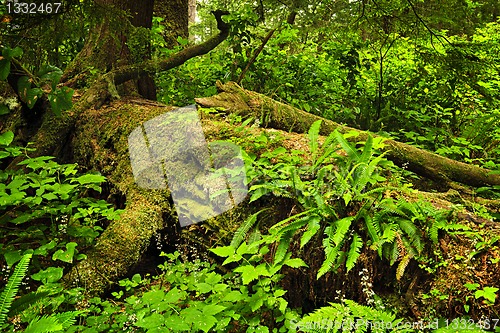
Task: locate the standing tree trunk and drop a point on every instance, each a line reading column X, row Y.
column 175, row 13
column 108, row 44
column 94, row 133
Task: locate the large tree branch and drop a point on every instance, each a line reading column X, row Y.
column 133, row 72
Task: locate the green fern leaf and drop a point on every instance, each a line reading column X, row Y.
column 44, row 324
column 313, row 136
column 10, row 291
column 400, row 270
column 343, row 226
column 26, row 301
column 434, row 230
column 242, row 231
column 367, row 150
column 67, row 318
column 392, row 252
column 282, row 248
column 373, row 228
column 350, row 150
column 313, row 226
column 413, row 233
column 354, row 251
column 331, row 252
column 328, row 150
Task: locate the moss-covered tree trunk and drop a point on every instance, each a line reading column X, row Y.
column 281, row 116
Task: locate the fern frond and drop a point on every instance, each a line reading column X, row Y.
column 283, row 245
column 294, row 226
column 387, row 206
column 313, row 136
column 336, row 314
column 434, row 230
column 9, row 293
column 373, row 228
column 354, row 251
column 44, row 324
column 278, row 226
column 391, row 252
column 242, row 231
column 26, row 301
column 400, row 270
column 413, row 233
column 331, row 252
column 342, row 227
column 367, row 150
column 348, row 148
column 349, row 317
column 67, row 318
column 312, row 228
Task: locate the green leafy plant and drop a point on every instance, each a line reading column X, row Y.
column 12, row 287
column 50, row 198
column 350, row 316
column 59, row 97
column 194, row 296
column 340, row 191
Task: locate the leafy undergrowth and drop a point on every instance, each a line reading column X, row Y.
column 360, row 250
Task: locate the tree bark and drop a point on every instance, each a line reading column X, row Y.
column 278, row 115
column 176, row 15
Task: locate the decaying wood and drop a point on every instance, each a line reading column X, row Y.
column 233, row 98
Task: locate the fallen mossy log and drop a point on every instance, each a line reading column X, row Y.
column 278, row 115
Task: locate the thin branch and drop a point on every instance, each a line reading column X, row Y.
column 433, row 34
column 255, row 55
column 290, row 20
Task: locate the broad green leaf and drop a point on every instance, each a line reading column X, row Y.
column 233, row 296
column 6, row 138
column 155, row 320
column 60, row 100
column 49, row 275
column 154, row 297
column 66, row 256
column 223, row 251
column 206, row 323
column 90, row 179
column 173, row 295
column 11, row 257
column 4, row 69
column 176, row 324
column 295, row 263
column 4, row 109
column 212, row 309
column 204, row 287
column 212, row 278
column 43, row 250
column 32, row 96
column 23, row 85
column 250, row 273
column 50, row 73
column 12, row 53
